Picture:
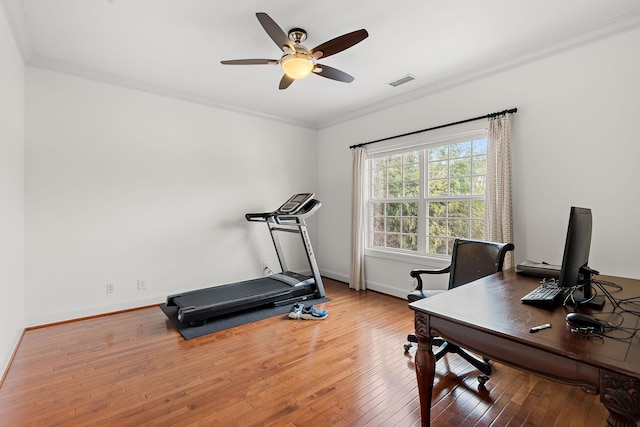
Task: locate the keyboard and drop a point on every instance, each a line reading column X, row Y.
column 545, row 294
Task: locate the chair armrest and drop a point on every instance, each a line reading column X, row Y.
column 417, row 272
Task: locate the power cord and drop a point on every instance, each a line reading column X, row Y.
column 607, row 331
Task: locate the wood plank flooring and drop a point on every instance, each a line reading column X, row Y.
column 135, row 369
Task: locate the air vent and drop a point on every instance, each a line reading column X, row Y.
column 403, row 80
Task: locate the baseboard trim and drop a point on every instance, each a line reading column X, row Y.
column 371, row 285
column 388, row 290
column 52, row 318
column 13, row 355
column 94, row 316
column 335, row 276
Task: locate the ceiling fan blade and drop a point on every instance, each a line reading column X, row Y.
column 285, row 82
column 332, row 73
column 274, row 31
column 339, row 44
column 250, row 62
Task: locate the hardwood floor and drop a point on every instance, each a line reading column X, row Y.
column 135, row 369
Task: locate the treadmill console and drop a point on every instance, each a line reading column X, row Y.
column 295, row 203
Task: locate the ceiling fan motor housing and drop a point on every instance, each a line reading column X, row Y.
column 297, row 35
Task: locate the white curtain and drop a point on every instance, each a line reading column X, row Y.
column 498, row 207
column 356, row 279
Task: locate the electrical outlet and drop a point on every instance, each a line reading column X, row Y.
column 142, row 285
column 413, row 282
column 266, row 271
column 110, row 288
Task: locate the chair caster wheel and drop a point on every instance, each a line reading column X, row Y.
column 407, row 347
column 482, row 379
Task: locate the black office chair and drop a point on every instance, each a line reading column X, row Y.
column 470, row 260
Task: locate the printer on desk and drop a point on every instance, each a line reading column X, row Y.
column 538, row 269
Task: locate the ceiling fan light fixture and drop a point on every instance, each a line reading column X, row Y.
column 297, row 61
column 297, row 65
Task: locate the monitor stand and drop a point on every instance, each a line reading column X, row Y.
column 587, row 297
column 594, row 302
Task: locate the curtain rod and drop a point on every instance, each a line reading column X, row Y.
column 486, row 116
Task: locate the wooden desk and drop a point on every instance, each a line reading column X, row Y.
column 487, row 317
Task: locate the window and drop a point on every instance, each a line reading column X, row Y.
column 421, row 199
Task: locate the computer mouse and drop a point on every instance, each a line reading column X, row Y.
column 580, row 320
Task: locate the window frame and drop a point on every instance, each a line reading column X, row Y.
column 451, row 135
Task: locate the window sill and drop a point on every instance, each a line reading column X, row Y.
column 430, row 261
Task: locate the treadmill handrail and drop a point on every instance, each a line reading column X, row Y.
column 258, row 217
column 308, row 210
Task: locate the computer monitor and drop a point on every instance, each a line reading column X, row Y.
column 575, row 269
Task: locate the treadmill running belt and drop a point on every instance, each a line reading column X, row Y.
column 234, row 293
column 197, row 306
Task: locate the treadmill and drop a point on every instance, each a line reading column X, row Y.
column 283, row 288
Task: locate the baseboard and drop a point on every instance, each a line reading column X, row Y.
column 61, row 316
column 335, row 276
column 386, row 289
column 45, row 319
column 6, row 364
column 372, row 285
column 53, row 317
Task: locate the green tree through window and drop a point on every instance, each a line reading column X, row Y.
column 422, row 199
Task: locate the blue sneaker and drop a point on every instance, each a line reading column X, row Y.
column 296, row 311
column 313, row 313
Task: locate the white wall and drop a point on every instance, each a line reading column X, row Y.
column 123, row 185
column 11, row 193
column 575, row 142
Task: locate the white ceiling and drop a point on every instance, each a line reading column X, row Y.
column 174, row 47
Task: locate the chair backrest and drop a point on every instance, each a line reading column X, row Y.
column 474, row 259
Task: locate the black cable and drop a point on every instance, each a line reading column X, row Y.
column 601, row 285
column 610, row 284
column 605, row 331
column 596, row 333
column 631, row 300
column 617, row 303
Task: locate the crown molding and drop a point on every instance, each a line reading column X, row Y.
column 17, row 20
column 614, row 27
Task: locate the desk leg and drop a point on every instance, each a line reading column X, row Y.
column 425, row 363
column 621, row 396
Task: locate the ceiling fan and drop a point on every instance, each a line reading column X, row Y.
column 297, row 61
